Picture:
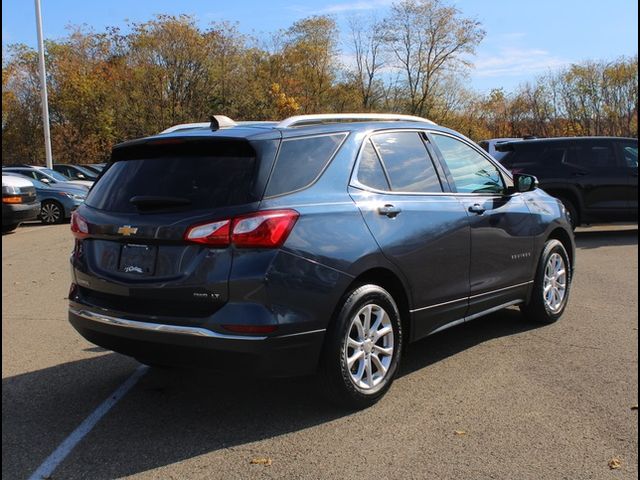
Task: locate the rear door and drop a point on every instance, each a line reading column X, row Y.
column 138, row 213
column 419, row 225
column 600, row 176
column 502, row 259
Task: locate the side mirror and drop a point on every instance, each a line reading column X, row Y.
column 524, row 183
column 80, row 176
column 45, row 180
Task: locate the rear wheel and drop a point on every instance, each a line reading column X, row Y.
column 362, row 349
column 51, row 212
column 551, row 285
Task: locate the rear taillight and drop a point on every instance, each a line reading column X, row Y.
column 79, row 226
column 215, row 234
column 268, row 229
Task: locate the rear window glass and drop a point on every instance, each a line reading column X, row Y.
column 407, row 162
column 300, row 162
column 195, row 181
column 370, row 171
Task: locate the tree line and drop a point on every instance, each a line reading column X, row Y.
column 106, row 87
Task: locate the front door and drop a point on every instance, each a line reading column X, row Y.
column 501, row 241
column 419, row 225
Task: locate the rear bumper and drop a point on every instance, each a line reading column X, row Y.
column 272, row 356
column 18, row 213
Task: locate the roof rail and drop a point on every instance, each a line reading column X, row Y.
column 221, row 119
column 299, row 120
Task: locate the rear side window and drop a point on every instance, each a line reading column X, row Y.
column 407, row 162
column 301, row 161
column 370, row 172
column 592, row 154
column 191, row 179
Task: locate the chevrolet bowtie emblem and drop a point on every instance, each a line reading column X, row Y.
column 127, row 230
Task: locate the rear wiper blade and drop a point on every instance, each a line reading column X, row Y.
column 158, row 201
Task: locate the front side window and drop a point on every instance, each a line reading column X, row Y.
column 629, row 152
column 300, row 162
column 471, row 172
column 407, row 162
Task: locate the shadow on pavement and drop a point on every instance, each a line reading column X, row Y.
column 605, row 238
column 173, row 415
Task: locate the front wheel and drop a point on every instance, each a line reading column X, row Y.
column 362, row 349
column 551, row 286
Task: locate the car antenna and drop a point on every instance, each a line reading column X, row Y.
column 214, row 125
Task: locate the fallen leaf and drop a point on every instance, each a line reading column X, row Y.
column 460, row 432
column 615, row 463
column 261, row 461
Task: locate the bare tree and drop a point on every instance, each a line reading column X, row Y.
column 367, row 40
column 427, row 39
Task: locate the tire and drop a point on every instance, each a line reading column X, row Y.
column 572, row 212
column 51, row 212
column 546, row 307
column 9, row 228
column 372, row 372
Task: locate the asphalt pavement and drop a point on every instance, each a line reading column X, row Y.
column 496, row 398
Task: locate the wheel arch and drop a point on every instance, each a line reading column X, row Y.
column 563, row 237
column 387, row 279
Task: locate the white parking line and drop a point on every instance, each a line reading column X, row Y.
column 64, row 449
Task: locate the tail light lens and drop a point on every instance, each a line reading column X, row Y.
column 215, row 234
column 268, row 229
column 263, row 229
column 79, row 226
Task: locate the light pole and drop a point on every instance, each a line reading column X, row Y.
column 43, row 89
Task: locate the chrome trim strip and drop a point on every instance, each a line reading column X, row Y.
column 492, row 309
column 471, row 297
column 501, row 289
column 302, row 333
column 474, row 316
column 448, row 325
column 157, row 327
column 438, row 305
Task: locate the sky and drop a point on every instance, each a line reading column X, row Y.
column 524, row 38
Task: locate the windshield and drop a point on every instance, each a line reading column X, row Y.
column 55, row 175
column 87, row 171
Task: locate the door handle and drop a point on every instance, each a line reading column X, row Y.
column 389, row 210
column 477, row 208
column 580, row 174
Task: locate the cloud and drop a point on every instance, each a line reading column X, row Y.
column 516, row 62
column 339, row 8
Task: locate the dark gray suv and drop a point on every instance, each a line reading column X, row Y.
column 323, row 243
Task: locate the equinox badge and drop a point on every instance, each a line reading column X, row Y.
column 127, row 230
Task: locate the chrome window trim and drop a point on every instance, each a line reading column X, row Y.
column 354, row 182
